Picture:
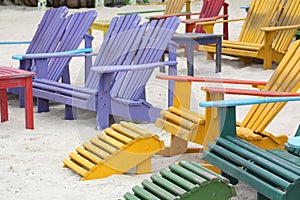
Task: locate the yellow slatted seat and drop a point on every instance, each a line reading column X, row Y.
column 115, row 151
column 266, row 34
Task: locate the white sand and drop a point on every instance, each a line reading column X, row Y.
column 31, row 160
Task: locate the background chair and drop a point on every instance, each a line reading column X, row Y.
column 209, row 12
column 266, row 34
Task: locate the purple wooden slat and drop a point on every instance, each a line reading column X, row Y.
column 68, row 100
column 54, row 14
column 72, row 38
column 152, row 51
column 43, row 42
column 131, row 55
column 105, row 55
column 66, row 86
column 121, row 26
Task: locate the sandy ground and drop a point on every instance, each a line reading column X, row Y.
column 31, row 160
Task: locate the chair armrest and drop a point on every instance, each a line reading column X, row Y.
column 194, row 21
column 178, row 15
column 140, row 12
column 122, row 68
column 212, row 80
column 277, row 28
column 73, row 53
column 245, row 7
column 10, row 43
column 220, row 21
column 243, row 102
column 208, row 27
column 248, row 92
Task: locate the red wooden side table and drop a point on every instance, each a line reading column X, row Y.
column 12, row 77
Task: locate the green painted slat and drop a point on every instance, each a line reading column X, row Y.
column 130, row 196
column 199, row 170
column 223, row 179
column 157, row 191
column 177, row 179
column 188, row 175
column 250, row 165
column 286, row 167
column 242, row 175
column 143, row 194
column 168, row 185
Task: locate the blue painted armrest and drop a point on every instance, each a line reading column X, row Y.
column 242, row 102
column 245, row 7
column 120, row 68
column 20, row 42
column 73, row 53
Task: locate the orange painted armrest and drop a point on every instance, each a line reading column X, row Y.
column 212, row 80
column 194, row 21
column 248, row 92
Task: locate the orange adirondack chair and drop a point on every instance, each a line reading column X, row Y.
column 209, row 12
column 268, row 30
column 186, row 125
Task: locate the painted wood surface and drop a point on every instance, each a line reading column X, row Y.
column 114, row 92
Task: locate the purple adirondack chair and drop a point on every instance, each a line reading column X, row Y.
column 57, row 33
column 123, row 66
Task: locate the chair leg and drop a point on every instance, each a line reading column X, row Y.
column 3, row 105
column 21, row 97
column 267, row 62
column 43, row 105
column 70, row 112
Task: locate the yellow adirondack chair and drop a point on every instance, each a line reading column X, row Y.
column 186, row 125
column 266, row 34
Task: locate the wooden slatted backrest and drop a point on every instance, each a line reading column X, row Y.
column 174, row 7
column 290, row 15
column 261, row 13
column 142, row 47
column 74, row 29
column 210, row 8
column 130, row 85
column 286, row 78
column 114, row 44
column 44, row 39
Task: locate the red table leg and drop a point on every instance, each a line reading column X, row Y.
column 4, row 105
column 29, row 103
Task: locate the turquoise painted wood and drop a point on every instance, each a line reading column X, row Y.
column 185, row 180
column 109, row 90
column 294, row 143
column 244, row 102
column 298, row 34
column 275, row 173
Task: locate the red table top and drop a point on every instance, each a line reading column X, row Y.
column 9, row 72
